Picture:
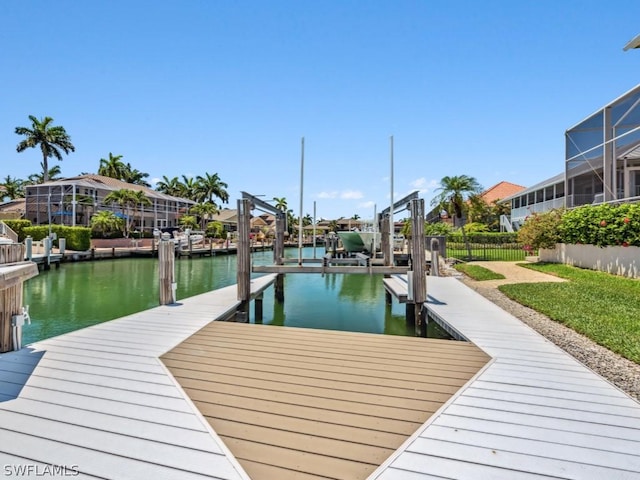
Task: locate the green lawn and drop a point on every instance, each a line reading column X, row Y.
column 477, row 272
column 604, row 307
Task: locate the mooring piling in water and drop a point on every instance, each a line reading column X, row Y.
column 166, row 270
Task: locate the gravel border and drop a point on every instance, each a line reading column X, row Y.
column 621, row 372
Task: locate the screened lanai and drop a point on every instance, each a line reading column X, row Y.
column 73, row 201
column 603, row 154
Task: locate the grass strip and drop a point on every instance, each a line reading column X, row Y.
column 477, row 272
column 601, row 306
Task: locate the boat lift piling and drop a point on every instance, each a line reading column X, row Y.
column 245, row 205
column 417, row 274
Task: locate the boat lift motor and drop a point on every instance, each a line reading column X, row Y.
column 17, row 322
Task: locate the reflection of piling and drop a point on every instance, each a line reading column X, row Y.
column 166, row 270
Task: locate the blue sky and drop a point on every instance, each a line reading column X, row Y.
column 483, row 88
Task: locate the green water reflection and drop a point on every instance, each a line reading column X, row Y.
column 86, row 293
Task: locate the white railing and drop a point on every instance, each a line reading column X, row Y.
column 505, row 223
column 5, row 231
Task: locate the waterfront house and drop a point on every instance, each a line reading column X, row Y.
column 72, row 201
column 602, row 163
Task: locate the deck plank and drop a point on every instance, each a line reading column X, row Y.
column 321, row 403
column 534, row 412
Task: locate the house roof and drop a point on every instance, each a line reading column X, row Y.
column 545, row 183
column 108, row 183
column 11, row 206
column 500, row 191
column 226, row 215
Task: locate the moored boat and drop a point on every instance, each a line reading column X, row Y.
column 355, row 241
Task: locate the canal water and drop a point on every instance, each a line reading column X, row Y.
column 81, row 294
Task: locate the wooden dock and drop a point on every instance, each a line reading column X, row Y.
column 295, row 403
column 534, row 412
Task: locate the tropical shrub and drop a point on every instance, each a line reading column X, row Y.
column 602, row 225
column 476, row 227
column 188, row 221
column 214, row 229
column 77, row 238
column 485, row 237
column 105, row 224
column 439, row 228
column 541, row 230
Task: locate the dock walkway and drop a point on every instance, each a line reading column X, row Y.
column 98, row 402
column 533, row 412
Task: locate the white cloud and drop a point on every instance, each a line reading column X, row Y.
column 351, row 195
column 328, row 194
column 424, row 185
column 369, row 204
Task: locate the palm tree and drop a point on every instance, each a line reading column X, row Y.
column 204, row 211
column 281, row 203
column 189, row 188
column 135, row 176
column 139, row 199
column 210, row 186
column 169, row 186
column 112, row 167
column 453, row 197
column 188, row 221
column 50, row 139
column 13, row 188
column 105, row 222
column 54, row 173
column 122, row 197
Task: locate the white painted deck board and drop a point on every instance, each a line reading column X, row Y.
column 89, row 461
column 453, row 468
column 117, row 408
column 534, row 412
column 100, row 399
column 540, row 433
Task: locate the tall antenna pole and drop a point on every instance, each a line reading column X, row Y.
column 391, row 227
column 301, row 195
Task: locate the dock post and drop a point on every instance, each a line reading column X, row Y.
column 12, row 313
column 384, row 244
column 244, row 255
column 435, row 257
column 418, row 263
column 62, row 246
column 47, row 253
column 28, row 243
column 166, row 270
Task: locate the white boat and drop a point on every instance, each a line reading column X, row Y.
column 181, row 239
column 355, row 241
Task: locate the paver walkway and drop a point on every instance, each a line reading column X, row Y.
column 514, row 274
